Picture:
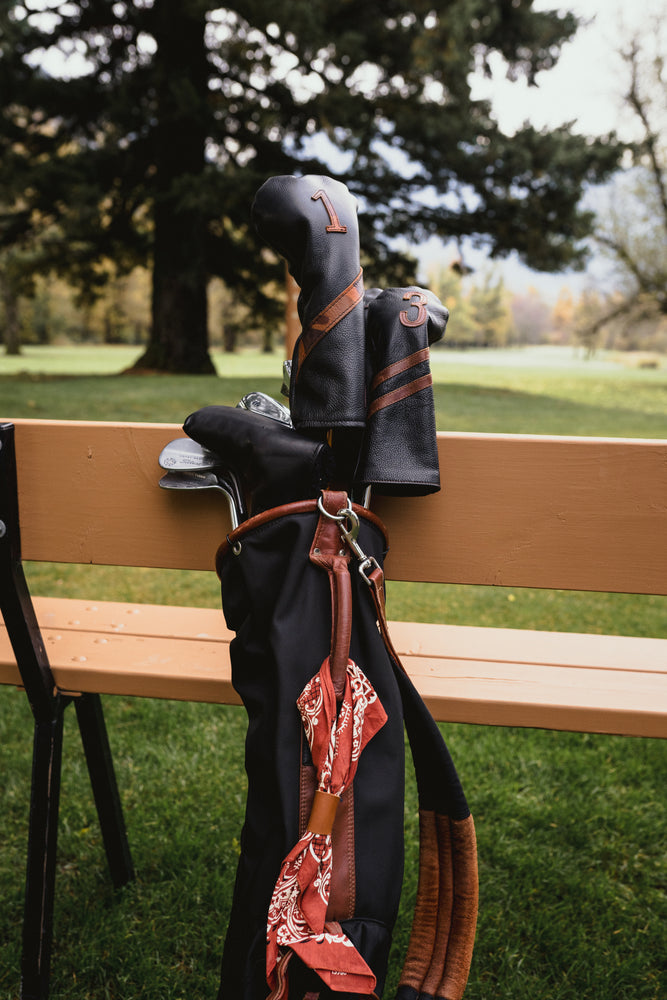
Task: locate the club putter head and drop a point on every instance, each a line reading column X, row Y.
column 192, row 480
column 259, row 402
column 185, row 455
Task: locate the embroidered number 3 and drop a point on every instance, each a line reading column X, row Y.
column 334, row 222
column 419, row 300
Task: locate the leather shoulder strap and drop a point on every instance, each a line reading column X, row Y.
column 439, row 954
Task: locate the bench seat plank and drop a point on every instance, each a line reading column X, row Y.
column 493, row 676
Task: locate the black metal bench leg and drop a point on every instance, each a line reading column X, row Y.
column 105, row 789
column 48, row 706
column 41, row 868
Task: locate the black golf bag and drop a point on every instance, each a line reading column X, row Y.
column 320, row 873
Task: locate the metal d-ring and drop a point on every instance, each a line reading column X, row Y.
column 343, row 517
column 339, row 517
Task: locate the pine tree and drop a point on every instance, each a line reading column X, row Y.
column 146, row 139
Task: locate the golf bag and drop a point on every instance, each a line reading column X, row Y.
column 320, row 872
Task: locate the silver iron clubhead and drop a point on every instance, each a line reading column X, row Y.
column 259, row 402
column 287, row 378
column 184, row 455
column 193, row 480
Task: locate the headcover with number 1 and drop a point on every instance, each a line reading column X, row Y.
column 312, row 222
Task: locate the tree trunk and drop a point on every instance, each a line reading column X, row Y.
column 179, row 334
column 10, row 304
column 230, row 332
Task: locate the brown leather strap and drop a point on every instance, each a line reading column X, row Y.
column 376, row 586
column 329, row 552
column 439, row 952
column 233, row 543
column 343, row 890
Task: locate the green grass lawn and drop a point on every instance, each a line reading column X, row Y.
column 571, row 827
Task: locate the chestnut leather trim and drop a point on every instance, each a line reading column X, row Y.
column 332, row 314
column 439, row 954
column 329, row 552
column 400, row 366
column 322, row 812
column 425, row 920
column 285, row 510
column 464, row 909
column 236, row 536
column 342, row 894
column 445, row 901
column 401, row 393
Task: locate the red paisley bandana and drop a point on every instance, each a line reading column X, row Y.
column 297, row 913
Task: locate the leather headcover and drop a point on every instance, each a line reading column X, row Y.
column 276, row 464
column 312, row 222
column 399, row 450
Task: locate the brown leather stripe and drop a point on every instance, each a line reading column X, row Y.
column 445, row 918
column 400, row 366
column 285, row 510
column 343, row 894
column 401, row 393
column 464, row 910
column 333, row 313
column 445, row 902
column 424, row 925
column 326, row 551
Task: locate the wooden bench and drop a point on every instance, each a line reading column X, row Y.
column 514, row 511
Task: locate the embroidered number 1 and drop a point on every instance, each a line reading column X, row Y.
column 334, row 222
column 419, row 300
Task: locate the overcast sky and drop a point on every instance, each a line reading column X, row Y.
column 585, row 87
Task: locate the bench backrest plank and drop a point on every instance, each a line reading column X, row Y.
column 517, row 510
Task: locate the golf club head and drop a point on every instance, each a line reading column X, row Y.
column 287, row 378
column 184, row 455
column 192, row 480
column 259, row 402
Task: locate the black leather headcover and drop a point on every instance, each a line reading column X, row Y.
column 399, row 451
column 312, row 222
column 276, row 464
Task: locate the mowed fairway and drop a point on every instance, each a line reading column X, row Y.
column 572, row 828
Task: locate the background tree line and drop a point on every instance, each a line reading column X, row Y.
column 138, row 132
column 484, row 313
column 135, row 134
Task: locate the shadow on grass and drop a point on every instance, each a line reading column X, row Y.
column 151, row 398
column 459, row 407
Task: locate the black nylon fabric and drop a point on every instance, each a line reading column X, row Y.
column 279, row 605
